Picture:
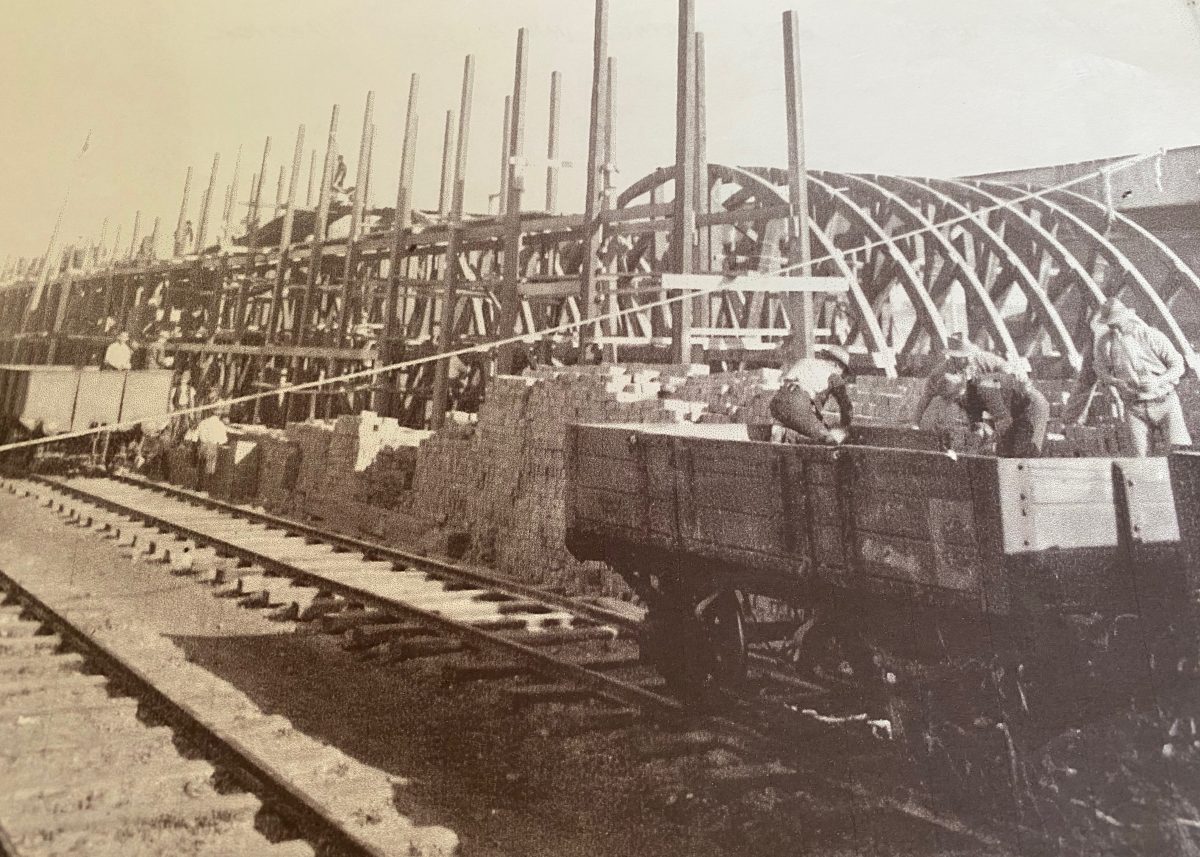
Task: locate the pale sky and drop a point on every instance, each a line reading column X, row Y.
column 929, row 87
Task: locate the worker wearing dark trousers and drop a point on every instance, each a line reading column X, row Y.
column 808, row 384
column 1019, row 412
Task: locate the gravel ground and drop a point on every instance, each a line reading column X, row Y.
column 506, row 783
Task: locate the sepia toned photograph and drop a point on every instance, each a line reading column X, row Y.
column 600, row 428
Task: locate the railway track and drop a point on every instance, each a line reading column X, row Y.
column 401, row 606
column 81, row 773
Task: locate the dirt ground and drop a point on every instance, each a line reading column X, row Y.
column 507, row 783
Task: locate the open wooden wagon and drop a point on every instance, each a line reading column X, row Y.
column 997, row 591
column 41, row 401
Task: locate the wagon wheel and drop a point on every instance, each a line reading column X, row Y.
column 724, row 628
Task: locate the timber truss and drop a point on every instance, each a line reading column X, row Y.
column 1021, row 272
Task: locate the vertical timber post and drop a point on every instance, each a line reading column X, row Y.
column 596, row 159
column 445, row 340
column 800, row 306
column 137, row 233
column 510, row 287
column 183, row 205
column 446, row 190
column 154, row 238
column 280, row 184
column 552, row 167
column 395, row 333
column 312, row 168
column 97, row 253
column 206, row 203
column 684, row 238
column 607, row 189
column 505, row 165
column 366, row 191
column 49, row 266
column 231, row 202
column 60, row 312
column 256, row 199
column 285, row 238
column 356, row 211
column 704, row 234
column 319, row 226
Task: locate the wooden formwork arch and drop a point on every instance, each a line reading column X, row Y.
column 953, row 260
column 1132, row 277
column 983, row 234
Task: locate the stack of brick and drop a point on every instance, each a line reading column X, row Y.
column 366, row 465
column 181, row 466
column 312, row 441
column 278, row 468
column 236, row 476
column 515, row 517
column 446, row 475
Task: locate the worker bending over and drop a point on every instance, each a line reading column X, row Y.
column 1019, row 412
column 961, row 356
column 1142, row 365
column 808, row 383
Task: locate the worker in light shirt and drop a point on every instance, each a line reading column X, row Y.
column 1142, row 365
column 119, row 355
column 211, row 435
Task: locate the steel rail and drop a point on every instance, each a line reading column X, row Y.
column 272, row 786
column 371, row 550
column 600, row 684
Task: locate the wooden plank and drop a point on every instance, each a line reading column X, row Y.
column 608, row 512
column 612, row 473
column 919, row 562
column 1152, row 516
column 829, row 545
column 99, row 399
column 646, row 211
column 725, row 528
column 745, row 493
column 1185, row 485
column 885, row 513
column 754, row 283
column 745, row 215
column 902, row 471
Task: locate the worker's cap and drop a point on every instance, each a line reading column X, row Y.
column 1114, row 312
column 958, row 345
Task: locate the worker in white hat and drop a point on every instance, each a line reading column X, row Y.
column 1142, row 365
column 808, row 384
